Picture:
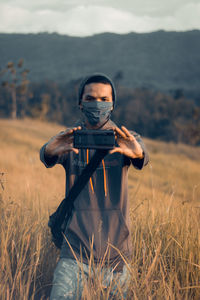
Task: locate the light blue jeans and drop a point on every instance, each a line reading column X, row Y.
column 69, row 279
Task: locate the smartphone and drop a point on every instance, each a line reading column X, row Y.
column 94, row 139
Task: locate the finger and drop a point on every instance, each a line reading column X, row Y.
column 115, row 150
column 77, row 128
column 115, row 133
column 120, row 132
column 126, row 131
column 71, row 130
column 75, row 150
column 68, row 132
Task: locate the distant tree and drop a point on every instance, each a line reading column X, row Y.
column 178, row 93
column 194, row 127
column 118, row 77
column 16, row 83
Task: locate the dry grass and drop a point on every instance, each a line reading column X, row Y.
column 165, row 214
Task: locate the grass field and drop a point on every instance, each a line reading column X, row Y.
column 165, row 214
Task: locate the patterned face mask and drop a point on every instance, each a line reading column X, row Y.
column 97, row 112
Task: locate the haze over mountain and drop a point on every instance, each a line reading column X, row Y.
column 159, row 60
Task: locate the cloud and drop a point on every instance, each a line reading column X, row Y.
column 12, row 18
column 97, row 19
column 151, row 8
column 82, row 20
column 137, row 7
column 189, row 15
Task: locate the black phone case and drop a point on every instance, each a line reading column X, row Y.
column 94, row 139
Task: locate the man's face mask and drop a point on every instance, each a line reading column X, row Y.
column 97, row 112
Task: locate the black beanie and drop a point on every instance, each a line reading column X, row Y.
column 88, row 80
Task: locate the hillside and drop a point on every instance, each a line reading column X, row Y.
column 159, row 60
column 164, row 211
column 170, row 163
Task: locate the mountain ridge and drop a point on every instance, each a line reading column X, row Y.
column 162, row 60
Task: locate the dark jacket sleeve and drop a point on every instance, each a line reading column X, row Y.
column 47, row 161
column 50, row 161
column 139, row 163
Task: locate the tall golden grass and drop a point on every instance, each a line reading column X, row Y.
column 165, row 214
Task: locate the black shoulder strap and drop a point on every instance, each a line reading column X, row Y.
column 78, row 186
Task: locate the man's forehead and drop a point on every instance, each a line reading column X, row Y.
column 98, row 88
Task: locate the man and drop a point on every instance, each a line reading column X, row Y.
column 100, row 222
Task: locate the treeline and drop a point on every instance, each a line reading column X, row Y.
column 169, row 117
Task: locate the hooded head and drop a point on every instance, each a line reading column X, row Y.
column 96, row 78
column 96, row 99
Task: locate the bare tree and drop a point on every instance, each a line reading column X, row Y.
column 17, row 83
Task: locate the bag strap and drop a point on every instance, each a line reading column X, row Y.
column 80, row 184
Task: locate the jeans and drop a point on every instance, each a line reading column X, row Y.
column 71, row 279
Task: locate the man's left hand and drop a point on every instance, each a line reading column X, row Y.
column 128, row 145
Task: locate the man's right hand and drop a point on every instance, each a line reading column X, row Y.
column 62, row 143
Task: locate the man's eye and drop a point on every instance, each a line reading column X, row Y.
column 89, row 98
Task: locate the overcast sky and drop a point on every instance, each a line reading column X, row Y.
column 87, row 17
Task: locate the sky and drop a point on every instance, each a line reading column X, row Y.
column 88, row 17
